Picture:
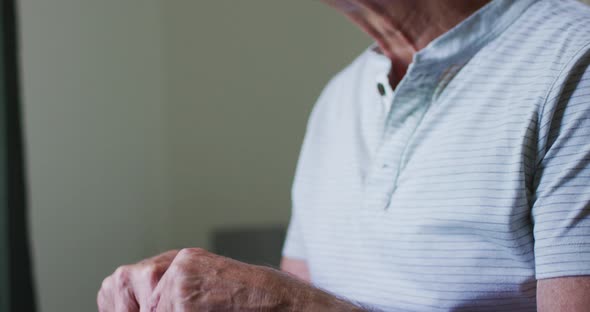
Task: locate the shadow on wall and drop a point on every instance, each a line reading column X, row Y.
column 256, row 245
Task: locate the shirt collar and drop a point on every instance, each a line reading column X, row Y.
column 459, row 44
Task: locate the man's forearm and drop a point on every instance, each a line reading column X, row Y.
column 193, row 279
column 322, row 301
column 301, row 296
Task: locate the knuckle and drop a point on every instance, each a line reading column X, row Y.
column 106, row 283
column 122, row 276
column 105, row 288
column 185, row 252
column 171, row 253
column 178, row 271
column 121, row 271
column 175, row 269
column 148, row 269
column 151, row 272
column 191, row 252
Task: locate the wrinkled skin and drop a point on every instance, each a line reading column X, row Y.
column 201, row 281
column 131, row 286
column 403, row 27
column 196, row 280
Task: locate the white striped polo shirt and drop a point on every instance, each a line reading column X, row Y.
column 466, row 184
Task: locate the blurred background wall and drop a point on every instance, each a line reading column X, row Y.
column 242, row 77
column 151, row 123
column 93, row 104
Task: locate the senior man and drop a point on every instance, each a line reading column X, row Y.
column 446, row 169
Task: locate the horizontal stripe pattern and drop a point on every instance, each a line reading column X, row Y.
column 466, row 184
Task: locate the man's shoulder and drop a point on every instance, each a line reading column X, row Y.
column 542, row 45
column 347, row 84
column 560, row 34
column 351, row 73
column 559, row 25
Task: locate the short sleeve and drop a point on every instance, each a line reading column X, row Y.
column 561, row 201
column 298, row 236
column 294, row 247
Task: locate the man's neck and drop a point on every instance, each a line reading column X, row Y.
column 403, row 27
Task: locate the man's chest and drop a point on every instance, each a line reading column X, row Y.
column 469, row 146
column 433, row 179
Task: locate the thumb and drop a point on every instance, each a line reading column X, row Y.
column 146, row 281
column 152, row 303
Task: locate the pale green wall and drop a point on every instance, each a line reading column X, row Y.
column 92, row 73
column 242, row 77
column 150, row 122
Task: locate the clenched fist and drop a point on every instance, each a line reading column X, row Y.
column 194, row 280
column 131, row 286
column 201, row 281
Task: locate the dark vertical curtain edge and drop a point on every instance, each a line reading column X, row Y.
column 22, row 297
column 4, row 246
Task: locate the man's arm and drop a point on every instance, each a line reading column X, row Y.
column 561, row 198
column 296, row 267
column 563, row 294
column 197, row 280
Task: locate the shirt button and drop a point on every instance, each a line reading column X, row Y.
column 381, row 89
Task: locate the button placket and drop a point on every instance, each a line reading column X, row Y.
column 409, row 104
column 384, row 91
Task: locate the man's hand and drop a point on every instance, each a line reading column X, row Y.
column 201, row 281
column 195, row 280
column 131, row 286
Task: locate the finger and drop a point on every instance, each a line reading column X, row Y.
column 126, row 304
column 164, row 296
column 152, row 303
column 163, row 257
column 103, row 301
column 161, row 295
column 149, row 273
column 118, row 286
